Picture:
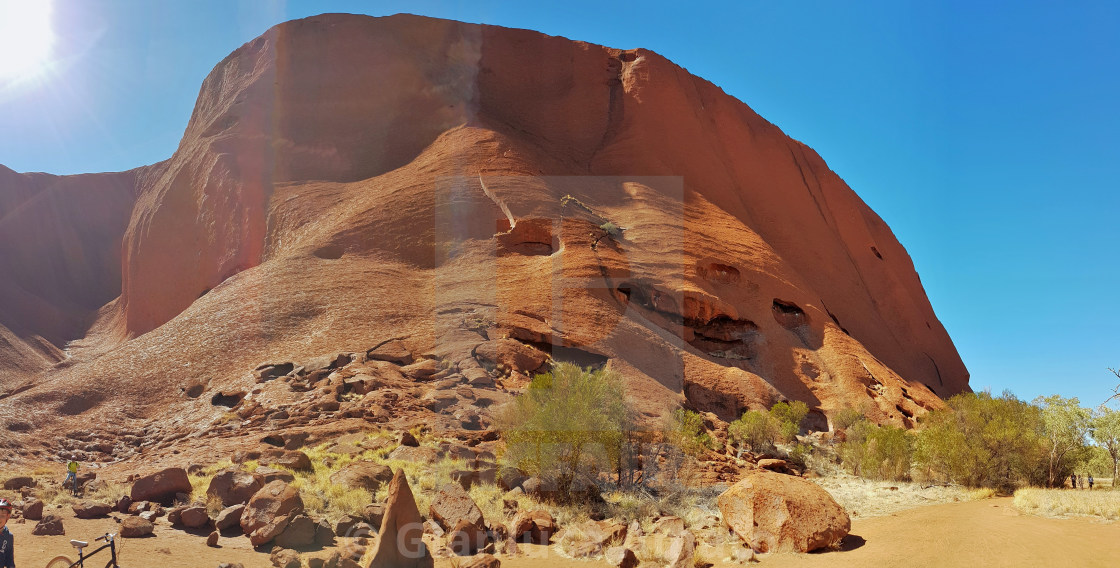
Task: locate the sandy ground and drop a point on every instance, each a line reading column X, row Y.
column 988, row 533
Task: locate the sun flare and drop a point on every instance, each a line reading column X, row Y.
column 26, row 38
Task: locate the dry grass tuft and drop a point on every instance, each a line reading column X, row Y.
column 1066, row 502
column 865, row 498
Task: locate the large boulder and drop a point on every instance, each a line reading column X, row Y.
column 453, row 504
column 299, row 533
column 91, row 509
column 229, row 517
column 536, row 526
column 511, row 353
column 267, row 513
column 363, row 474
column 161, row 486
column 399, row 543
column 135, row 527
column 233, row 486
column 772, row 512
column 50, row 525
column 32, row 509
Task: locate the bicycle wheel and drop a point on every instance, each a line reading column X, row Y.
column 60, row 562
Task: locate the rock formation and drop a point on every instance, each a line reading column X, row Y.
column 345, row 181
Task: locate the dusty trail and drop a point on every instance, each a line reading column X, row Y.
column 988, row 533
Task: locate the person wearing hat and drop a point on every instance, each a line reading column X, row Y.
column 7, row 555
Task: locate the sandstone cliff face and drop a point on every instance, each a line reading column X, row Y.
column 346, row 179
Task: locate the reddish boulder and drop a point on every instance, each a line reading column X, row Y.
column 194, row 517
column 32, row 509
column 453, row 504
column 229, row 517
column 267, row 513
column 299, row 533
column 233, row 486
column 511, row 353
column 291, row 459
column 772, row 512
column 161, row 486
column 399, row 543
column 535, row 526
column 135, row 527
column 363, row 474
column 50, row 525
column 91, row 509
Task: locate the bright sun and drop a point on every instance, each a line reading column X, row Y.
column 26, row 38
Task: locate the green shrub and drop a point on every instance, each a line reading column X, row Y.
column 846, row 418
column 686, row 430
column 754, row 430
column 877, row 452
column 983, row 441
column 566, row 425
column 789, row 416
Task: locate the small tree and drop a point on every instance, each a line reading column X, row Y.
column 789, row 416
column 877, row 452
column 1106, row 432
column 686, row 429
column 755, row 430
column 567, row 426
column 1066, row 427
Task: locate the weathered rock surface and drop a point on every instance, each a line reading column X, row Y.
column 51, row 524
column 269, row 511
column 233, row 486
column 772, row 512
column 363, row 474
column 161, row 486
column 748, row 271
column 135, row 527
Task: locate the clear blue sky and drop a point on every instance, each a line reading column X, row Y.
column 988, row 138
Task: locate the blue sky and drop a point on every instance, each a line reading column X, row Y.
column 986, row 136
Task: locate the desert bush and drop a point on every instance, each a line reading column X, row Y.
column 983, row 441
column 685, row 428
column 845, row 418
column 877, row 452
column 564, row 426
column 789, row 416
column 754, row 430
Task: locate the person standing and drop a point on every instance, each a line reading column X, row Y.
column 1073, row 481
column 1090, row 482
column 71, row 475
column 7, row 553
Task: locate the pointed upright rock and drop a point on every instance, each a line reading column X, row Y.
column 399, row 543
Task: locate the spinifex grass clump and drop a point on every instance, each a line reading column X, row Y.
column 1068, row 502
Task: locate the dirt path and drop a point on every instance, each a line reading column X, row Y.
column 989, row 533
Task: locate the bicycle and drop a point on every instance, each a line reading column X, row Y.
column 65, row 562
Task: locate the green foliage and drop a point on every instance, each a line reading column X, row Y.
column 1067, row 425
column 1106, row 433
column 611, row 229
column 846, row 418
column 877, row 452
column 567, row 426
column 686, row 430
column 754, row 430
column 983, row 441
column 789, row 416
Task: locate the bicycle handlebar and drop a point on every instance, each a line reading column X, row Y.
column 106, row 537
